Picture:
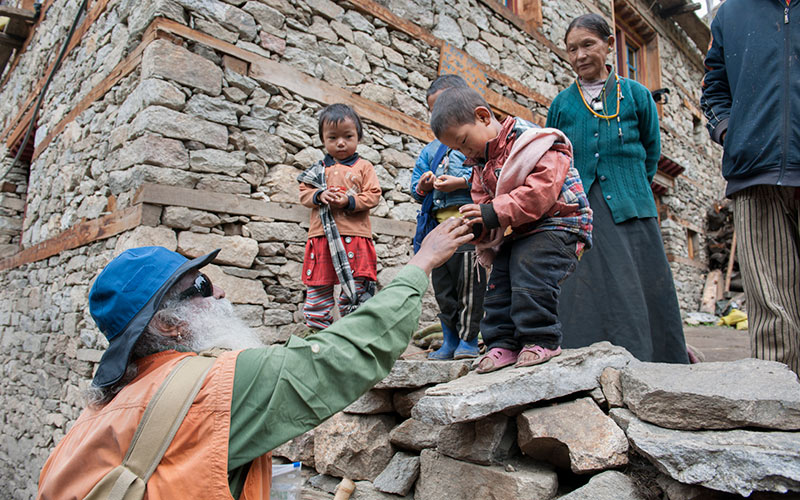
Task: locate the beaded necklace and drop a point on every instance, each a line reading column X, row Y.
column 595, row 113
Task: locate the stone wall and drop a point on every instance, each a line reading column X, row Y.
column 185, row 117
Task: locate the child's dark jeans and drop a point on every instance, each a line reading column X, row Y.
column 521, row 301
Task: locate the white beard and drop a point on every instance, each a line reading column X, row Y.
column 214, row 324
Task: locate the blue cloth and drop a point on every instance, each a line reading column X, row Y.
column 454, row 166
column 126, row 295
column 751, row 92
column 426, row 221
column 521, row 301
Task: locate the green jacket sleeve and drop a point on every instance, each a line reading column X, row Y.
column 280, row 392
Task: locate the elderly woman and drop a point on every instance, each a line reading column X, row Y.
column 622, row 290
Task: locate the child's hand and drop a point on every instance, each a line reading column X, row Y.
column 425, row 184
column 449, row 183
column 341, row 201
column 328, row 197
column 472, row 213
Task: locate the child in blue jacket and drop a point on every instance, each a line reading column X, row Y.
column 459, row 284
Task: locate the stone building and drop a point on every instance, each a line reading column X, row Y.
column 184, row 123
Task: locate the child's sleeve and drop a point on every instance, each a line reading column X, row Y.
column 370, row 194
column 458, row 169
column 533, row 199
column 478, row 194
column 308, row 195
column 420, row 167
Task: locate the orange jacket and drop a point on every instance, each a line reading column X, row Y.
column 359, row 181
column 195, row 464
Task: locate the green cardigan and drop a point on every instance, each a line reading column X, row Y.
column 624, row 167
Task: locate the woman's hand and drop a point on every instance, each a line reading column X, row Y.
column 441, row 243
column 449, row 183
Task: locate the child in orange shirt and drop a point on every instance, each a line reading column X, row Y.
column 340, row 190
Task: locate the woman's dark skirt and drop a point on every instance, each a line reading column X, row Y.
column 622, row 290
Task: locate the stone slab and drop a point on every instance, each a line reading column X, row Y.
column 478, row 395
column 486, row 441
column 374, row 401
column 408, row 374
column 722, row 395
column 576, row 434
column 399, row 476
column 734, row 461
column 415, row 435
column 236, row 250
column 353, row 446
column 608, row 485
column 442, row 477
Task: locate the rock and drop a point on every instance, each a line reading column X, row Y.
column 281, row 183
column 696, row 318
column 597, row 395
column 479, row 395
column 399, row 476
column 170, row 61
column 622, row 417
column 611, row 387
column 365, row 490
column 153, row 150
column 185, row 218
column 326, row 8
column 404, row 401
column 266, row 146
column 370, row 403
column 151, row 92
column 145, row 236
column 484, row 442
column 176, row 125
column 354, row 446
column 265, row 15
column 416, row 373
column 608, row 485
column 225, row 14
column 237, row 290
column 734, row 461
column 299, row 449
column 576, row 434
column 236, row 250
column 723, row 395
column 215, row 109
column 447, row 29
column 415, row 435
column 673, row 490
column 218, row 162
column 442, row 477
column 277, row 231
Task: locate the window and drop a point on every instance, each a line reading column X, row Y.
column 524, row 14
column 637, row 46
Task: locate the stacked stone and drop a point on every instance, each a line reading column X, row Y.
column 591, row 423
column 12, row 204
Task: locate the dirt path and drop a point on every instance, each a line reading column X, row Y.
column 719, row 343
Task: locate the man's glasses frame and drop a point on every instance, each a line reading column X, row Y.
column 200, row 287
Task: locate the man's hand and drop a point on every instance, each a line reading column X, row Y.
column 472, row 213
column 441, row 244
column 426, row 181
column 449, row 183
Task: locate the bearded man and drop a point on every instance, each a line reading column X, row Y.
column 156, row 308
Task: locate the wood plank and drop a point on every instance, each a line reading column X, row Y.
column 96, row 11
column 731, row 260
column 375, row 9
column 711, row 291
column 78, row 235
column 685, row 261
column 156, row 194
column 284, row 75
column 25, row 15
column 120, row 71
column 26, row 3
column 512, row 108
column 10, row 41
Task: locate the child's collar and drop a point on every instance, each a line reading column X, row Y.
column 349, row 161
column 498, row 144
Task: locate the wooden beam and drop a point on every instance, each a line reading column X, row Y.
column 685, row 261
column 25, row 15
column 10, row 41
column 78, row 235
column 18, row 125
column 375, row 9
column 284, row 75
column 120, row 71
column 157, row 194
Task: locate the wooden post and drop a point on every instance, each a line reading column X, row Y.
column 730, row 263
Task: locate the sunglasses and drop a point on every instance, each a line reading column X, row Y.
column 202, row 286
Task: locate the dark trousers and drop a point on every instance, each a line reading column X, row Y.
column 459, row 285
column 521, row 301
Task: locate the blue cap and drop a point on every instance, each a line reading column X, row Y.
column 127, row 294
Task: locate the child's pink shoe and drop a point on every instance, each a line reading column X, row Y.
column 496, row 358
column 535, row 354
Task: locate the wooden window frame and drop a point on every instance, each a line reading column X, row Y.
column 625, row 37
column 631, row 27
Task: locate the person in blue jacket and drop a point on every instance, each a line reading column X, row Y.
column 751, row 98
column 459, row 284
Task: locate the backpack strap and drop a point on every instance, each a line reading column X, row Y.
column 437, row 157
column 161, row 420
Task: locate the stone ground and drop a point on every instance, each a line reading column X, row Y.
column 719, row 343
